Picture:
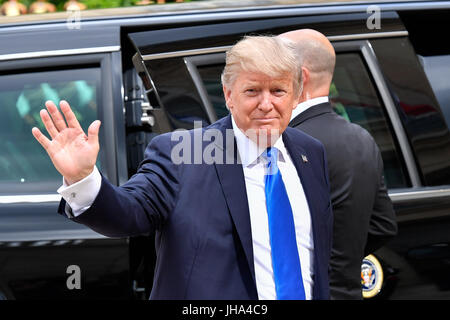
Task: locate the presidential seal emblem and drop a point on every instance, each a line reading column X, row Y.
column 371, row 276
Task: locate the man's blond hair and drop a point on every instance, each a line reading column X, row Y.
column 269, row 55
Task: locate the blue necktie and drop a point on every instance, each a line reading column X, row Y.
column 285, row 259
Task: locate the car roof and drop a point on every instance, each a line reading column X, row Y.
column 209, row 6
column 100, row 30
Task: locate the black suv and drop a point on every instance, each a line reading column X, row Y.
column 148, row 70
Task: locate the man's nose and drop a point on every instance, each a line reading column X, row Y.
column 266, row 101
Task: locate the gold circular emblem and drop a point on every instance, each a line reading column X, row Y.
column 371, row 276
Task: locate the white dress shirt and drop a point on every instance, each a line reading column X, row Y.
column 254, row 166
column 82, row 194
column 301, row 107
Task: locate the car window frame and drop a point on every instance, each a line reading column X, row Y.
column 424, row 62
column 192, row 64
column 368, row 56
column 109, row 133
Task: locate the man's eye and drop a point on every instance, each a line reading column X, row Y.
column 278, row 91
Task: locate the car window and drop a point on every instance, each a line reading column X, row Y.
column 352, row 95
column 209, row 75
column 24, row 164
column 437, row 69
column 355, row 98
column 177, row 93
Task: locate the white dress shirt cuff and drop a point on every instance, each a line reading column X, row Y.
column 81, row 195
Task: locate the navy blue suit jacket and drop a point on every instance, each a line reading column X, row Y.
column 201, row 217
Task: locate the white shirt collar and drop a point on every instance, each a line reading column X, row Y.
column 301, row 107
column 249, row 151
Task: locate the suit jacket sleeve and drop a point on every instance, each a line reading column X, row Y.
column 383, row 225
column 143, row 203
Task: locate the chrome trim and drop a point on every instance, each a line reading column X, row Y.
column 183, row 53
column 192, row 64
column 419, row 195
column 362, row 36
column 405, row 147
column 76, row 235
column 194, row 52
column 195, row 76
column 57, row 53
column 32, row 198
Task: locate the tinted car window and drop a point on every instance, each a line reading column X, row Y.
column 209, row 75
column 353, row 96
column 24, row 164
column 177, row 92
column 437, row 69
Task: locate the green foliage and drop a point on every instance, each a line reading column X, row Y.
column 91, row 4
column 97, row 4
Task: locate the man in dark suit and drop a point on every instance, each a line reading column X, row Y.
column 248, row 218
column 363, row 215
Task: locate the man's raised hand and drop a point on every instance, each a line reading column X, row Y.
column 72, row 152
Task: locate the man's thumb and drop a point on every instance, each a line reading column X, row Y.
column 93, row 130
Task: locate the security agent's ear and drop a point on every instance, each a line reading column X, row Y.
column 305, row 76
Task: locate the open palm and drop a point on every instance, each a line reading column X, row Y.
column 72, row 152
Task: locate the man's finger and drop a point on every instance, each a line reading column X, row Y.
column 58, row 119
column 48, row 123
column 72, row 121
column 43, row 140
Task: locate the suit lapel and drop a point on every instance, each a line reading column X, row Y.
column 232, row 180
column 300, row 159
column 302, row 163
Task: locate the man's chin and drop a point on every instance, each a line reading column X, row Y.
column 264, row 135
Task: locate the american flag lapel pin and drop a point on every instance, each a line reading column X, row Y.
column 304, row 158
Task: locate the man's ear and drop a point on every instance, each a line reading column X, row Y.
column 227, row 96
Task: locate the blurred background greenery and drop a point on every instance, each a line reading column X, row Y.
column 97, row 4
